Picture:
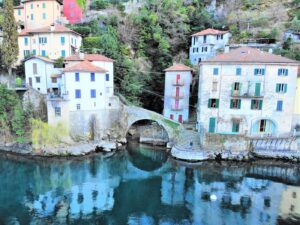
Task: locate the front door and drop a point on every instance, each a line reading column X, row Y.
column 180, row 119
column 30, row 81
column 212, row 125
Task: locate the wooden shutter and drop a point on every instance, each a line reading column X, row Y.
column 255, row 71
column 217, row 103
column 209, row 103
column 277, row 88
column 285, row 88
column 287, row 72
column 231, row 103
column 212, row 125
column 263, row 71
column 240, row 88
column 239, row 103
column 260, row 103
column 252, row 104
column 279, row 72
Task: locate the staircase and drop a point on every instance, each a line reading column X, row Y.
column 185, row 139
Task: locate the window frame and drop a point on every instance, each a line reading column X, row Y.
column 57, row 111
column 78, row 93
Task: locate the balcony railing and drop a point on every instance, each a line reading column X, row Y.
column 248, row 94
column 174, row 108
column 180, row 96
column 178, row 83
column 57, row 97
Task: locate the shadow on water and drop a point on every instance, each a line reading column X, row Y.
column 143, row 186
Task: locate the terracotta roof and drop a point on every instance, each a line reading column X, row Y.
column 209, row 32
column 84, row 66
column 249, row 55
column 178, row 67
column 39, row 57
column 19, row 7
column 59, row 1
column 89, row 57
column 57, row 29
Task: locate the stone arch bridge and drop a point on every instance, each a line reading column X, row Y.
column 132, row 114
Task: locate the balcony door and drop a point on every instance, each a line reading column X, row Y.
column 180, row 120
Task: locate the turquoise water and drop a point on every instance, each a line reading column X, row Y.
column 142, row 185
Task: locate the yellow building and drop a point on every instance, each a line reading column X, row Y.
column 290, row 202
column 51, row 41
column 33, row 14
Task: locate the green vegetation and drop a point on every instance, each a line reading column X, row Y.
column 12, row 121
column 44, row 135
column 9, row 48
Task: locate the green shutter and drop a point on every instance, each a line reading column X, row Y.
column 232, row 89
column 252, row 104
column 277, row 88
column 257, row 89
column 217, row 103
column 212, row 125
column 239, row 103
column 285, row 88
column 209, row 103
column 231, row 103
column 240, row 88
column 260, row 103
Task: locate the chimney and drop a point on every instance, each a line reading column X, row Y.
column 52, row 27
column 271, row 50
column 81, row 55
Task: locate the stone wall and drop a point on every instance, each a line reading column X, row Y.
column 226, row 142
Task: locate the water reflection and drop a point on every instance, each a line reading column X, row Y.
column 142, row 186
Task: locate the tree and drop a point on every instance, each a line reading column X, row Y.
column 10, row 48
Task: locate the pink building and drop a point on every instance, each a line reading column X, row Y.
column 72, row 11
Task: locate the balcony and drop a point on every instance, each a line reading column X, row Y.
column 178, row 83
column 248, row 94
column 174, row 108
column 57, row 97
column 180, row 96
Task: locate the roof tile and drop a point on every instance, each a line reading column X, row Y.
column 209, row 32
column 178, row 67
column 84, row 66
column 89, row 57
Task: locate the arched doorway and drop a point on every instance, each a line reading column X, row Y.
column 264, row 126
column 147, row 132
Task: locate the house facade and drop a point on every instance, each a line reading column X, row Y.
column 178, row 79
column 85, row 100
column 53, row 42
column 34, row 14
column 247, row 91
column 72, row 11
column 41, row 74
column 207, row 43
column 296, row 121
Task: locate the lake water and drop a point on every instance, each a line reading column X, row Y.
column 142, row 185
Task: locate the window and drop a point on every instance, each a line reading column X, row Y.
column 34, row 68
column 262, row 126
column 25, row 41
column 279, row 105
column 37, row 79
column 281, row 88
column 44, row 5
column 78, row 107
column 213, row 103
column 257, row 89
column 212, row 125
column 31, row 6
column 107, row 77
column 92, row 77
column 204, row 49
column 283, row 72
column 235, row 126
column 215, row 86
column 19, row 12
column 72, row 5
column 71, row 14
column 57, row 111
column 235, row 103
column 26, row 53
column 77, row 93
column 259, row 72
column 43, row 52
column 238, row 71
column 216, row 71
column 44, row 16
column 62, row 40
column 93, row 93
column 42, row 40
column 256, row 104
column 54, row 80
column 31, row 17
column 204, row 38
column 63, row 53
column 236, row 88
column 33, row 52
column 77, row 77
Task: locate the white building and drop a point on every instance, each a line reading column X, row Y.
column 52, row 42
column 178, row 80
column 247, row 91
column 207, row 43
column 85, row 100
column 41, row 74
